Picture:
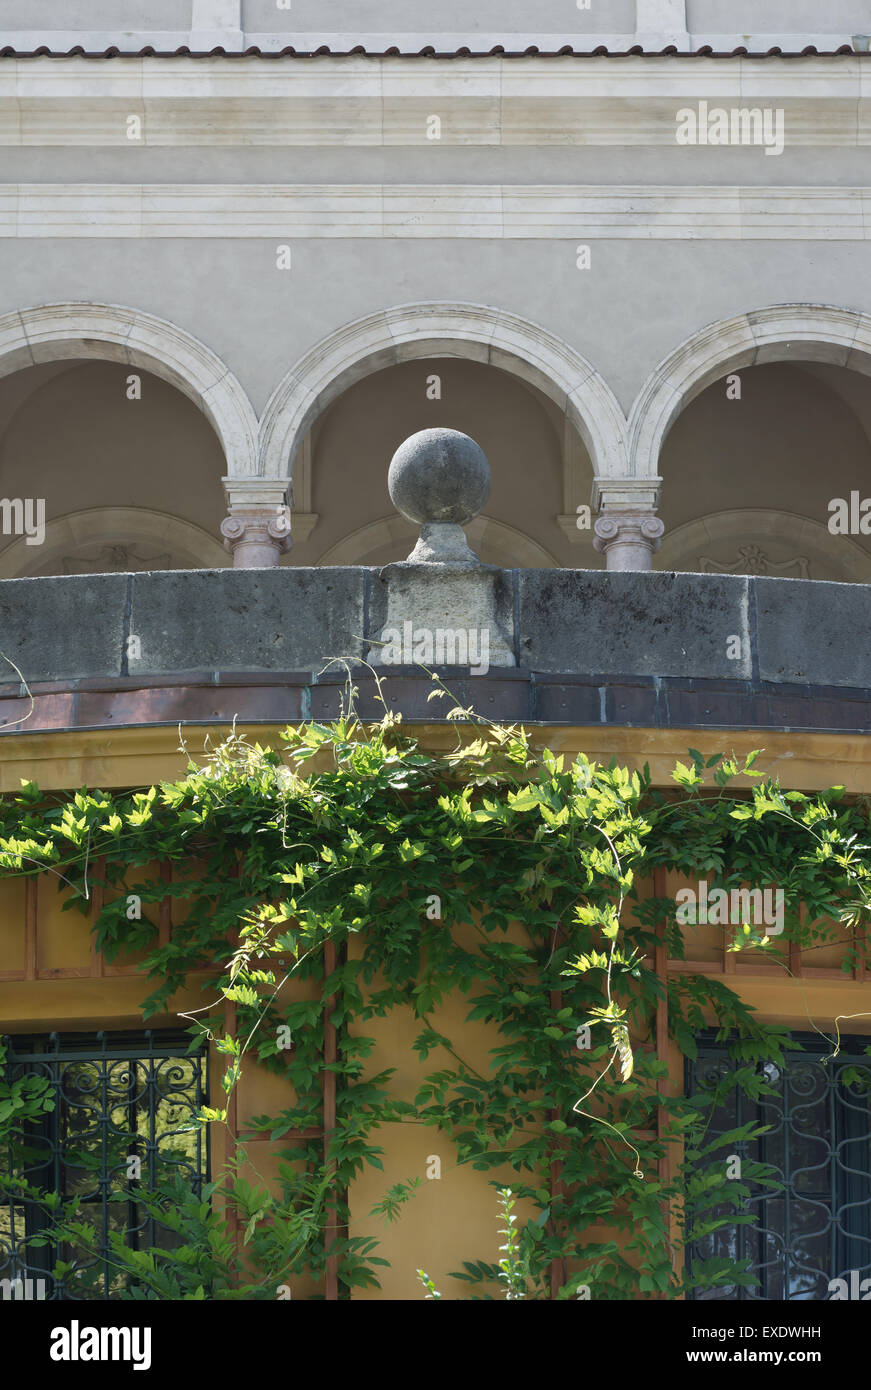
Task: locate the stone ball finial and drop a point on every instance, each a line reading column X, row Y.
column 439, row 475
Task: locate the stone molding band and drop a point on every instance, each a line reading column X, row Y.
column 574, row 213
column 508, row 696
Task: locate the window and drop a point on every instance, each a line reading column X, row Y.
column 119, row 1098
column 818, row 1227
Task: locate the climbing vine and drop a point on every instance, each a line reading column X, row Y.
column 491, row 872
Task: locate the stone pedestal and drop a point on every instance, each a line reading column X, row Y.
column 441, row 606
column 444, row 615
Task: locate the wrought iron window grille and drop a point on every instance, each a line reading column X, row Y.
column 122, row 1101
column 818, row 1227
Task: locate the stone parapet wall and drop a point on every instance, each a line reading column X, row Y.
column 589, row 647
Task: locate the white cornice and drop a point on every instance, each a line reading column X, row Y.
column 387, row 102
column 426, row 211
column 214, row 73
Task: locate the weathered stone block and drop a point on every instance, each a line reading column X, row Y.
column 656, row 624
column 65, row 627
column 813, row 633
column 247, row 620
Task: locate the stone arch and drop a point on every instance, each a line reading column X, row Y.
column 104, row 526
column 513, row 547
column 412, row 331
column 807, row 539
column 779, row 333
column 115, row 333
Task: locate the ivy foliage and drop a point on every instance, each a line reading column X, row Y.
column 23, row 1099
column 493, row 873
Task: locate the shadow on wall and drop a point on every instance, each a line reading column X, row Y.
column 752, row 470
column 537, row 459
column 127, row 468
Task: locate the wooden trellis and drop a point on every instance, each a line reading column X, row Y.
column 727, row 966
column 98, row 969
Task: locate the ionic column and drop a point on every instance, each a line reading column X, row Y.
column 629, row 540
column 257, row 531
column 627, row 531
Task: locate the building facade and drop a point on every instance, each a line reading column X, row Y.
column 250, row 248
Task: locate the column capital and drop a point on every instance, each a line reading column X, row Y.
column 257, row 537
column 628, row 540
column 271, row 493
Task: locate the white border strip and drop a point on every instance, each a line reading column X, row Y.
column 383, row 101
column 489, row 212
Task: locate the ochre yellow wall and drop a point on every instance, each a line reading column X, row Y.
column 455, row 1217
column 138, row 757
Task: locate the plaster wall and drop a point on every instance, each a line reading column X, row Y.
column 90, row 15
column 777, row 16
column 492, row 215
column 790, row 443
column 78, row 435
column 290, row 163
column 449, row 16
column 393, row 18
column 623, row 314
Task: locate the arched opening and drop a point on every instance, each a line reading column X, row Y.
column 758, row 426
column 588, row 416
column 474, row 332
column 749, row 478
column 66, row 372
column 105, row 468
column 537, row 459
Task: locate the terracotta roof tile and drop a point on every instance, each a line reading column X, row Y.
column 568, row 50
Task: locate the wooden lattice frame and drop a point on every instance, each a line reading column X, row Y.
column 98, row 969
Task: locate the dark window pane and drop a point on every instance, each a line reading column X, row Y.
column 118, row 1097
column 818, row 1228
